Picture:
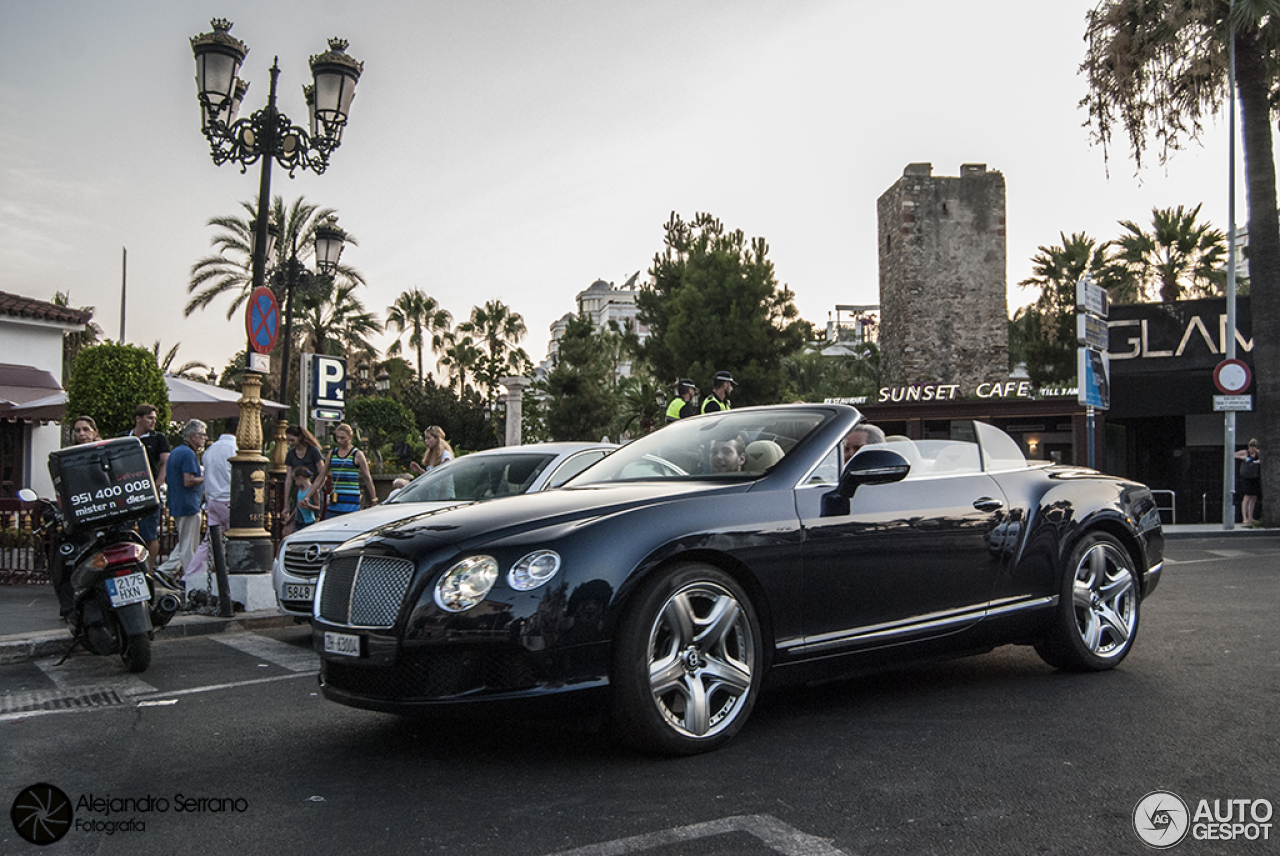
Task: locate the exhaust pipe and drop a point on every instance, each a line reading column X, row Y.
column 165, row 609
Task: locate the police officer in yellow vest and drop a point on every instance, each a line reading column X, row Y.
column 682, row 405
column 721, row 388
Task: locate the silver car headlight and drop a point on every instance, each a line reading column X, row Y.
column 466, row 583
column 533, row 570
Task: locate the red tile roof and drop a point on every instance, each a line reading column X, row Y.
column 17, row 306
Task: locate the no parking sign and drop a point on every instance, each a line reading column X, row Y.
column 262, row 320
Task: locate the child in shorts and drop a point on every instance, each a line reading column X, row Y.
column 304, row 511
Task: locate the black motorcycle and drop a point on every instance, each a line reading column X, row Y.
column 111, row 602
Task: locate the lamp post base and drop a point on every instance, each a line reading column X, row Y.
column 248, row 555
column 248, row 542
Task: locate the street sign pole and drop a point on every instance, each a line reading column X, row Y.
column 1092, row 444
column 1229, row 417
column 1092, row 364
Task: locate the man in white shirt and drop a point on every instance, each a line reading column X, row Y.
column 216, row 462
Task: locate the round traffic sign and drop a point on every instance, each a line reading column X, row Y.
column 1232, row 377
column 262, row 320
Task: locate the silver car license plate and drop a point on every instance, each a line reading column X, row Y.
column 300, row 591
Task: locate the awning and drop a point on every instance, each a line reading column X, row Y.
column 29, row 393
column 188, row 399
column 20, row 384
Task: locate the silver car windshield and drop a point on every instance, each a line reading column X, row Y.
column 737, row 445
column 475, row 477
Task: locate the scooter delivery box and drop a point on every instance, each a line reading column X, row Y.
column 103, row 483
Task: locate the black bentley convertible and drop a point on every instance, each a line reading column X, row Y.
column 677, row 576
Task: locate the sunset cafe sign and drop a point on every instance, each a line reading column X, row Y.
column 924, row 393
column 1189, row 335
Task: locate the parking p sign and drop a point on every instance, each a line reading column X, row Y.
column 328, row 382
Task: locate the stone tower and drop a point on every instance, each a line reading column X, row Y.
column 943, row 311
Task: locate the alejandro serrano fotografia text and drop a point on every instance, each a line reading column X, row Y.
column 109, row 805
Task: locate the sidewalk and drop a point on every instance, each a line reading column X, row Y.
column 30, row 626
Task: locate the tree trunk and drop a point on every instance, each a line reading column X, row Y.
column 1264, row 258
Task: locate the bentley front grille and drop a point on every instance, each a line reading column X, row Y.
column 364, row 591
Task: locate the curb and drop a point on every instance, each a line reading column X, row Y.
column 54, row 643
column 1240, row 532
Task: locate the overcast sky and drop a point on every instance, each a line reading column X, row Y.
column 520, row 150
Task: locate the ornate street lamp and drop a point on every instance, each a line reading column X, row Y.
column 267, row 136
column 383, row 383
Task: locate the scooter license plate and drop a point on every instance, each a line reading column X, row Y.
column 128, row 589
column 346, row 644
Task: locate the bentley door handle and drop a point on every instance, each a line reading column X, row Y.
column 986, row 503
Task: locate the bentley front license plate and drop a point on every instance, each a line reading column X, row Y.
column 346, row 644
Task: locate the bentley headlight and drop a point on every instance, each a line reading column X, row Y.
column 533, row 570
column 466, row 583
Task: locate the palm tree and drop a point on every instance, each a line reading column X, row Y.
column 638, row 406
column 336, row 322
column 230, row 270
column 1045, row 331
column 1177, row 250
column 414, row 310
column 186, row 370
column 459, row 354
column 74, row 343
column 499, row 331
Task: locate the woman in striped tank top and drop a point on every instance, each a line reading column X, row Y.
column 350, row 470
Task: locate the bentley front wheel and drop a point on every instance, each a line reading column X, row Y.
column 687, row 663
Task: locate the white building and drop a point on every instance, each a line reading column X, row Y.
column 31, row 334
column 603, row 302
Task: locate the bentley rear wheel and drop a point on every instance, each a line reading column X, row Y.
column 687, row 663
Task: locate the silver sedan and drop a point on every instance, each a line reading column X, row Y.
column 481, row 476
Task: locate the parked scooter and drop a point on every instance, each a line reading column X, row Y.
column 117, row 604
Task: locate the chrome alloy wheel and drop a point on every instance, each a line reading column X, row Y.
column 701, row 659
column 1105, row 598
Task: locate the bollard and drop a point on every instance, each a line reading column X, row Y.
column 225, row 609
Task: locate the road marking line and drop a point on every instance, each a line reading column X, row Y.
column 93, row 671
column 772, row 832
column 282, row 654
column 228, row 686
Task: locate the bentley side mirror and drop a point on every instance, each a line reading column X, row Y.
column 868, row 467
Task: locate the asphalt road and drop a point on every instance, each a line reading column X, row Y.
column 993, row 754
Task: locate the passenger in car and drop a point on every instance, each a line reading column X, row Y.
column 728, row 455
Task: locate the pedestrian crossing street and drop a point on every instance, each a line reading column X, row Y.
column 179, row 667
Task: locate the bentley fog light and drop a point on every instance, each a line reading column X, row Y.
column 466, row 583
column 533, row 570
